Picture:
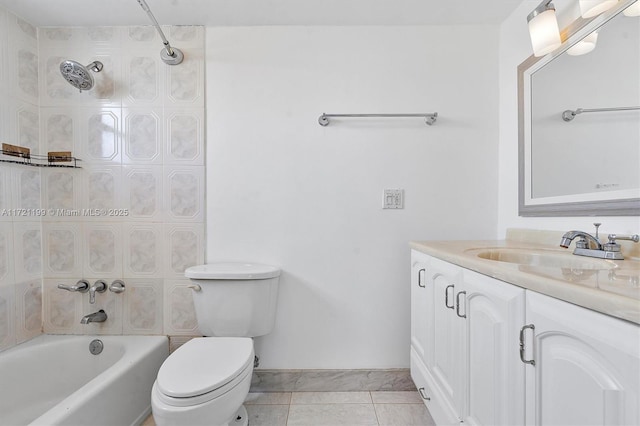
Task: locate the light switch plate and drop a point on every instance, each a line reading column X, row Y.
column 393, row 199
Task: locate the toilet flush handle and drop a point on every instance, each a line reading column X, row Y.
column 195, row 287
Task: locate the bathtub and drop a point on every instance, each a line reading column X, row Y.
column 55, row 380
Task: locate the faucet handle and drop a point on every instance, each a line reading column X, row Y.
column 81, row 286
column 613, row 237
column 117, row 286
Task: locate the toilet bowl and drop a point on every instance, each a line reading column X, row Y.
column 206, row 380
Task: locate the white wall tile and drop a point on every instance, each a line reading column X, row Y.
column 102, row 249
column 6, row 188
column 184, row 247
column 27, row 120
column 27, row 243
column 62, row 191
column 143, row 136
column 103, row 36
column 7, row 277
column 26, row 188
column 144, row 77
column 28, row 309
column 142, row 36
column 185, row 83
column 26, row 73
column 62, row 309
column 142, row 250
column 60, row 129
column 143, row 192
column 102, row 190
column 184, row 36
column 100, row 131
column 7, row 317
column 179, row 313
column 62, row 248
column 143, row 306
column 184, row 193
column 184, row 136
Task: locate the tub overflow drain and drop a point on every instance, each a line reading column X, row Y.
column 96, row 346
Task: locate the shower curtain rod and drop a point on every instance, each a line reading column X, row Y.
column 429, row 117
column 569, row 115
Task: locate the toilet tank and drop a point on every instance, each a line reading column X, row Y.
column 234, row 299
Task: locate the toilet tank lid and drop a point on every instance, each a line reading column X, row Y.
column 232, row 271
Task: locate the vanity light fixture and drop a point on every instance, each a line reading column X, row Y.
column 633, row 10
column 543, row 29
column 591, row 8
column 584, row 46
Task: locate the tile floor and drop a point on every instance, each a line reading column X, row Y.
column 335, row 409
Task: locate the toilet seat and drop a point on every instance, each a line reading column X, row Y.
column 203, row 369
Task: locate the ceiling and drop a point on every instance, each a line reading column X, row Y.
column 263, row 12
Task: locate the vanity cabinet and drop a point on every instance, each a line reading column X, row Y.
column 470, row 332
column 586, row 366
column 485, row 352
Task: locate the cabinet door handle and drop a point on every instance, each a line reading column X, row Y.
column 522, row 346
column 458, row 305
column 423, row 394
column 420, row 276
column 446, row 296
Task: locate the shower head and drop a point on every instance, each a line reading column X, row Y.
column 78, row 75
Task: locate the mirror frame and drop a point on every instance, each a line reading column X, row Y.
column 570, row 35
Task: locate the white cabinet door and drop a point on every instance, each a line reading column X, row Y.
column 587, row 366
column 446, row 365
column 494, row 375
column 421, row 309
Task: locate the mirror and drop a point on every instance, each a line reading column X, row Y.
column 579, row 123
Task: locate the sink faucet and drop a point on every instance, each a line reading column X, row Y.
column 586, row 240
column 590, row 246
column 100, row 316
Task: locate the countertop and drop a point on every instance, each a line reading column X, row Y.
column 613, row 290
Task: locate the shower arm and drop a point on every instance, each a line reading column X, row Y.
column 174, row 55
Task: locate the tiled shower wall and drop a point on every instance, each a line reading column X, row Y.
column 20, row 236
column 135, row 210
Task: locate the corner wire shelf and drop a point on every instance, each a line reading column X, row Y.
column 35, row 160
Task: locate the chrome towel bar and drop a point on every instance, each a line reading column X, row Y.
column 429, row 118
column 569, row 115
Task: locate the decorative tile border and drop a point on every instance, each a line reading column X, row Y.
column 331, row 380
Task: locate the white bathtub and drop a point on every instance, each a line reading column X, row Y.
column 55, row 380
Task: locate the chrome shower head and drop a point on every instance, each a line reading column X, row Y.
column 78, row 75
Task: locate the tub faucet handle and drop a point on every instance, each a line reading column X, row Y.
column 81, row 286
column 117, row 286
column 99, row 286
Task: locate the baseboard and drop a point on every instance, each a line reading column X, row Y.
column 331, row 380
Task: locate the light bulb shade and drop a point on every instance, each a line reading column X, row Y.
column 591, row 8
column 544, row 32
column 584, row 46
column 633, row 10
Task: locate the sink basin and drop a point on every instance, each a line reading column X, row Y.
column 543, row 258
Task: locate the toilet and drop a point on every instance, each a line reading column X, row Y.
column 206, row 380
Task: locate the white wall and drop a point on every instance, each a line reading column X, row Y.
column 283, row 190
column 515, row 47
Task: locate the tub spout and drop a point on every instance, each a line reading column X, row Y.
column 100, row 316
